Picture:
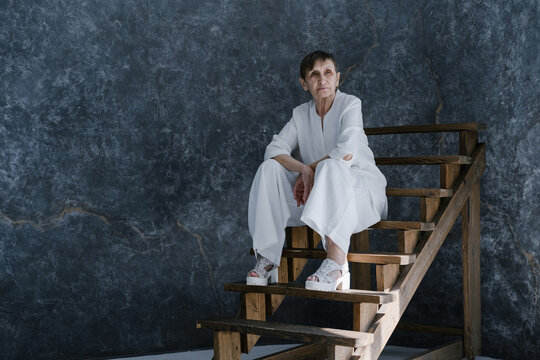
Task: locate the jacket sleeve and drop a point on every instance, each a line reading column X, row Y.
column 284, row 142
column 352, row 138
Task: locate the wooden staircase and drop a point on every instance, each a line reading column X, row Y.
column 376, row 313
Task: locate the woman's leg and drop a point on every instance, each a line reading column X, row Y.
column 331, row 206
column 271, row 204
column 334, row 253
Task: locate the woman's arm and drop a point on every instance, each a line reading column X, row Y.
column 304, row 183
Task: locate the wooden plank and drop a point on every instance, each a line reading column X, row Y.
column 419, row 192
column 314, row 239
column 292, row 289
column 372, row 257
column 471, row 274
column 413, row 274
column 337, row 352
column 363, row 315
column 407, row 241
column 386, row 276
column 290, row 331
column 450, row 351
column 404, row 225
column 360, row 273
column 316, row 351
column 406, row 326
column 424, row 128
column 467, row 142
column 382, row 258
column 428, row 208
column 471, row 258
column 299, row 239
column 252, row 307
column 424, row 160
column 273, row 301
column 226, row 345
column 449, row 174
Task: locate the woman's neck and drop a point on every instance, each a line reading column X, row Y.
column 323, row 105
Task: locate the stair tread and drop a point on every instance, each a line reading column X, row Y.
column 404, row 225
column 416, row 192
column 424, row 160
column 425, row 128
column 371, row 257
column 289, row 331
column 291, row 289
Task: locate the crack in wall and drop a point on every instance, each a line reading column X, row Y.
column 374, row 44
column 206, row 259
column 43, row 226
column 49, row 224
column 435, row 77
column 437, row 80
column 533, row 264
column 433, row 74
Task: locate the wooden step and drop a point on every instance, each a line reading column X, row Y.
column 404, row 225
column 420, row 192
column 372, row 257
column 426, row 128
column 424, row 160
column 289, row 331
column 291, row 289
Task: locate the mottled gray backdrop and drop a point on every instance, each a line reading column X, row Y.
column 130, row 132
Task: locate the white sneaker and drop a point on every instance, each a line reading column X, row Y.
column 328, row 283
column 265, row 276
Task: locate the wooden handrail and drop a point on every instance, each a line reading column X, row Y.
column 426, row 128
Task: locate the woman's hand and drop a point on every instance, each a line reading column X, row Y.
column 303, row 185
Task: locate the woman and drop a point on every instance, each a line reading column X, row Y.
column 334, row 187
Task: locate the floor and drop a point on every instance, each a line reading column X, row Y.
column 389, row 353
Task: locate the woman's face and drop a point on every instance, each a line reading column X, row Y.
column 322, row 80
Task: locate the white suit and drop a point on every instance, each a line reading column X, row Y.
column 347, row 196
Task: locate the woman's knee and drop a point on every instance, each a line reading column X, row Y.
column 269, row 167
column 328, row 164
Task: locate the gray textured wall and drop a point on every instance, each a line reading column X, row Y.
column 130, row 131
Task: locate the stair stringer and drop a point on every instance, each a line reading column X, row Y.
column 407, row 283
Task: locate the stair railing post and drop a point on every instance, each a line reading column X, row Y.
column 471, row 258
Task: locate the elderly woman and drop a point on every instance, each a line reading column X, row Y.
column 334, row 187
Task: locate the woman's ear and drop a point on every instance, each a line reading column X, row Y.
column 337, row 79
column 303, row 83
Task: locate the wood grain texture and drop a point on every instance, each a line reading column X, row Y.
column 360, row 273
column 289, row 331
column 419, row 192
column 424, row 160
column 472, row 309
column 351, row 295
column 428, row 208
column 407, row 241
column 449, row 174
column 372, row 257
column 424, row 128
column 227, row 345
column 386, row 276
column 412, row 275
column 404, row 225
column 363, row 315
column 252, row 307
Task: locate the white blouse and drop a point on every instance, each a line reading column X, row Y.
column 342, row 134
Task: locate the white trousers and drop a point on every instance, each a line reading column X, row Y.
column 341, row 203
